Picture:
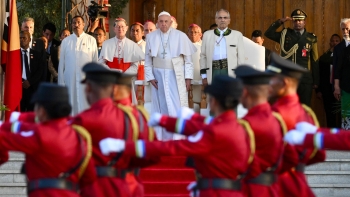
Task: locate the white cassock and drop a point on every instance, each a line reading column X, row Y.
column 75, row 52
column 168, row 60
column 129, row 51
column 147, row 96
column 230, row 47
column 197, row 89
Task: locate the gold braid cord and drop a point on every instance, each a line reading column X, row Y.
column 281, row 121
column 292, row 51
column 146, row 115
column 251, row 136
column 134, row 125
column 86, row 135
column 311, row 113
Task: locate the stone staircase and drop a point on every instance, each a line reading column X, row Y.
column 12, row 183
column 331, row 178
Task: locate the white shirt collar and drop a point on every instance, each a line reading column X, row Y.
column 139, row 42
column 222, row 31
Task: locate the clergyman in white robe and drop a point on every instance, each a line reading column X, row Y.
column 168, row 60
column 129, row 52
column 74, row 54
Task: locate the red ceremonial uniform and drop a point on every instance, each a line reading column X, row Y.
column 104, row 120
column 134, row 182
column 220, row 150
column 51, row 148
column 291, row 181
column 328, row 138
column 269, row 148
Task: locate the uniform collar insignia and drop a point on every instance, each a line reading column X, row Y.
column 226, row 33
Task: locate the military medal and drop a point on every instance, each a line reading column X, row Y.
column 303, row 52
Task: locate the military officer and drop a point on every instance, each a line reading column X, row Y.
column 57, row 155
column 210, row 147
column 300, row 47
column 284, row 87
column 261, row 179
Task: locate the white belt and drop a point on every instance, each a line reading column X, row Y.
column 165, row 63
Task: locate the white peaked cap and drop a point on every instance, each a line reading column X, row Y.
column 164, row 13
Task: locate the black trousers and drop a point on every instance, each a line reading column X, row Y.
column 305, row 93
column 25, row 101
column 329, row 104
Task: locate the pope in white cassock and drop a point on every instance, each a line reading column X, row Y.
column 122, row 53
column 77, row 50
column 169, row 68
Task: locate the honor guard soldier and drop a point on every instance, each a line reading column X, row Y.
column 140, row 130
column 284, row 85
column 261, row 179
column 57, row 153
column 105, row 119
column 300, row 47
column 221, row 155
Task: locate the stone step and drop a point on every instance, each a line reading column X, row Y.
column 331, row 165
column 331, row 154
column 325, row 190
column 328, row 177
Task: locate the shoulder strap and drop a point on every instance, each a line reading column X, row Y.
column 281, row 121
column 82, row 133
column 311, row 113
column 143, row 111
column 126, row 134
column 135, row 127
column 251, row 136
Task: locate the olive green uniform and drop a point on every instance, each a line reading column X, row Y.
column 305, row 55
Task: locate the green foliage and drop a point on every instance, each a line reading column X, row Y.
column 43, row 11
column 3, row 107
column 116, row 7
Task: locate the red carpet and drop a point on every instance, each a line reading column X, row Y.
column 169, row 178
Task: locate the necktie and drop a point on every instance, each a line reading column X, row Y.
column 298, row 34
column 25, row 57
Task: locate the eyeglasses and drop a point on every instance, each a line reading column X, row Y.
column 220, row 18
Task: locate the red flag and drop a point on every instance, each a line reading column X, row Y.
column 11, row 59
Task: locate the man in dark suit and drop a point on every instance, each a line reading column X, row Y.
column 49, row 31
column 32, row 70
column 35, row 43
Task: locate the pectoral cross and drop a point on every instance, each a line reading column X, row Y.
column 164, row 53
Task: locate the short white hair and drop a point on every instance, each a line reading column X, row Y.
column 344, row 21
column 26, row 19
column 222, row 10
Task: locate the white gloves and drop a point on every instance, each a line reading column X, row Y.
column 295, row 137
column 185, row 113
column 111, row 145
column 190, row 188
column 1, row 123
column 154, row 119
column 306, row 127
column 14, row 116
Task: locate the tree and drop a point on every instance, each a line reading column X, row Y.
column 43, row 11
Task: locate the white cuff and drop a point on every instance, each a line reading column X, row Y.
column 14, row 116
column 204, row 76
